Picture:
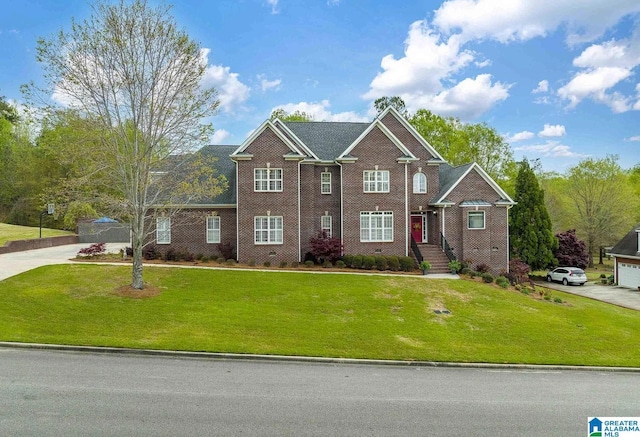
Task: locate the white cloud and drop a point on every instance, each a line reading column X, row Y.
column 551, row 149
column 266, row 84
column 320, row 111
column 557, row 130
column 543, row 87
column 634, row 138
column 231, row 92
column 274, row 6
column 333, row 2
column 521, row 20
column 219, row 136
column 482, row 64
column 520, row 136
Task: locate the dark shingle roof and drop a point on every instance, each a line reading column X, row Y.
column 224, row 166
column 327, row 139
column 448, row 176
column 629, row 244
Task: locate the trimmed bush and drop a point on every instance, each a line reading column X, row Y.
column 357, row 261
column 283, row 264
column 204, row 259
column 94, row 250
column 368, row 261
column 251, row 263
column 266, row 264
column 483, row 268
column 347, row 260
column 221, row 260
column 295, row 264
column 502, row 281
column 393, row 263
column 151, row 252
column 487, row 277
column 230, row 262
column 407, row 264
column 381, row 262
column 340, row 264
column 309, row 263
column 327, row 264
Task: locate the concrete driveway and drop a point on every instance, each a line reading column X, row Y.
column 621, row 296
column 18, row 262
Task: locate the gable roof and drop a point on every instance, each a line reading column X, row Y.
column 240, row 151
column 225, row 166
column 380, row 125
column 628, row 246
column 327, row 140
column 450, row 177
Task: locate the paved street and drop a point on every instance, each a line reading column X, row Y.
column 49, row 393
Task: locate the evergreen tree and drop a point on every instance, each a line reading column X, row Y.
column 530, row 230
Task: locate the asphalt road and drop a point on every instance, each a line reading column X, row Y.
column 50, row 393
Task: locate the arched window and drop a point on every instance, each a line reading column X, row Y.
column 419, row 183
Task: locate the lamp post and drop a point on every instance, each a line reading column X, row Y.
column 50, row 210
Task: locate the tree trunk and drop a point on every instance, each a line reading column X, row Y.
column 137, row 243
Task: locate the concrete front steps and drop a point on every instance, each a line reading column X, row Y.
column 434, row 254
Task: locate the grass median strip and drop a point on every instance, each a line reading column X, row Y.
column 350, row 316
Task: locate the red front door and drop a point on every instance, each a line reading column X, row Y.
column 416, row 228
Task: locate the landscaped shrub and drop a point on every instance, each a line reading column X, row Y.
column 251, row 263
column 483, row 268
column 151, row 252
column 170, row 255
column 347, row 260
column 283, row 264
column 357, row 262
column 200, row 256
column 187, row 256
column 340, row 264
column 266, row 264
column 557, row 300
column 502, row 281
column 465, row 271
column 93, row 250
column 368, row 261
column 407, row 264
column 327, row 264
column 381, row 262
column 226, row 250
column 128, row 251
column 221, row 260
column 324, row 248
column 231, row 262
column 487, row 277
column 393, row 263
column 309, row 263
column 519, row 269
column 204, row 259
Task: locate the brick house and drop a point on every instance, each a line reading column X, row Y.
column 379, row 187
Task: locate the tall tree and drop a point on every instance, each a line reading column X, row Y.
column 571, row 251
column 283, row 115
column 530, row 232
column 603, row 202
column 131, row 72
column 383, row 103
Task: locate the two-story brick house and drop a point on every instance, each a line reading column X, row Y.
column 379, row 187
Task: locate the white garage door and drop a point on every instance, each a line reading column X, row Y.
column 628, row 275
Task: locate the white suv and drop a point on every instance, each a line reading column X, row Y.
column 567, row 275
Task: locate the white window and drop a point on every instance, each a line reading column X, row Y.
column 268, row 230
column 476, row 219
column 325, row 182
column 376, row 181
column 267, row 179
column 419, row 183
column 163, row 230
column 326, row 225
column 213, row 229
column 376, row 226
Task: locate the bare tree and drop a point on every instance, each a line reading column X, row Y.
column 129, row 70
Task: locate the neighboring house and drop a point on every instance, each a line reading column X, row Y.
column 626, row 255
column 379, row 187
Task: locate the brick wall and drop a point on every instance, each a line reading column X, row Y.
column 39, row 243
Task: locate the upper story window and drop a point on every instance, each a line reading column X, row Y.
column 419, row 183
column 267, row 179
column 376, row 181
column 268, row 230
column 163, row 230
column 376, row 226
column 213, row 229
column 326, row 225
column 476, row 220
column 325, row 182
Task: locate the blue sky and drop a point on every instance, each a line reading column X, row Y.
column 560, row 80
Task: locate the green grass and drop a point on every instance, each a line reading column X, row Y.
column 14, row 232
column 310, row 314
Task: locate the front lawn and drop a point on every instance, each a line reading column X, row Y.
column 330, row 315
column 15, row 232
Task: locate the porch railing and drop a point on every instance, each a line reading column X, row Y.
column 446, row 248
column 416, row 250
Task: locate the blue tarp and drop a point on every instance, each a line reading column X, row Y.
column 105, row 220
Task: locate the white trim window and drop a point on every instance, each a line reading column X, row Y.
column 325, row 182
column 267, row 179
column 376, row 226
column 268, row 230
column 376, row 181
column 419, row 183
column 475, row 220
column 163, row 230
column 326, row 225
column 213, row 229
